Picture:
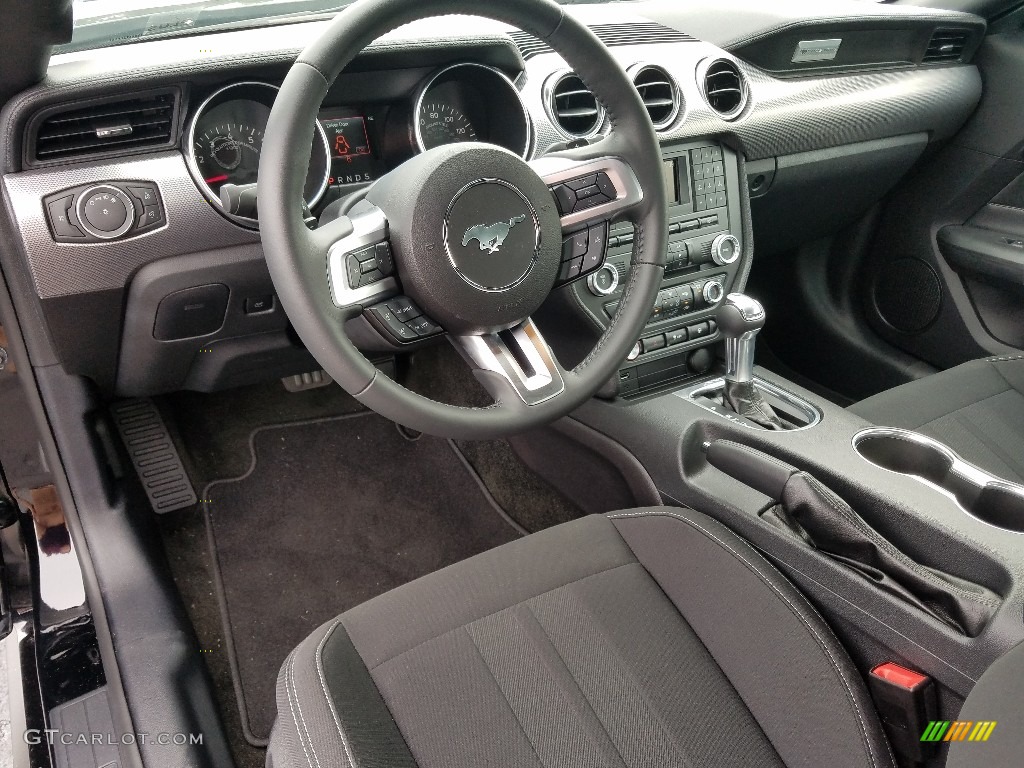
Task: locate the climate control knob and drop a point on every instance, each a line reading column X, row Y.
column 712, row 292
column 604, row 281
column 725, row 249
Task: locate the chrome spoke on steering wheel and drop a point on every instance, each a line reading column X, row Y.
column 360, row 265
column 589, row 189
column 520, row 356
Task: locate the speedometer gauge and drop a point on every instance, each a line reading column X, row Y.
column 441, row 123
column 226, row 137
column 470, row 102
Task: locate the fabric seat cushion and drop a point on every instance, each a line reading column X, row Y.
column 648, row 638
column 977, row 409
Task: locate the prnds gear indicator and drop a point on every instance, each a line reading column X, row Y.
column 351, row 154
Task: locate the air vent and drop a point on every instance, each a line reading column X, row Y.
column 946, row 45
column 573, row 107
column 724, row 88
column 107, row 127
column 659, row 94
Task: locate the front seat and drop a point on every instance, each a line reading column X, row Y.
column 977, row 409
column 653, row 637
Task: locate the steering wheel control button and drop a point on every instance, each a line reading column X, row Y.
column 385, row 261
column 59, row 213
column 105, row 212
column 597, row 244
column 584, row 192
column 403, row 320
column 492, row 234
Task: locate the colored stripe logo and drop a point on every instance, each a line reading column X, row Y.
column 958, row 730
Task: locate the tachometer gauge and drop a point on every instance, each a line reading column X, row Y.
column 441, row 123
column 228, row 152
column 225, row 139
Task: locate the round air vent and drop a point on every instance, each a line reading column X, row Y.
column 659, row 94
column 724, row 88
column 572, row 106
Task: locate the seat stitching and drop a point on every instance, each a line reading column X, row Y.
column 492, row 613
column 803, row 620
column 497, row 685
column 318, row 658
column 293, row 701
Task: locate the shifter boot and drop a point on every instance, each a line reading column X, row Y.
column 746, row 400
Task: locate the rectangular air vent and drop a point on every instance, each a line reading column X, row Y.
column 946, row 45
column 104, row 127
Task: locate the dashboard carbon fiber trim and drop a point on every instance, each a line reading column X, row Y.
column 62, row 269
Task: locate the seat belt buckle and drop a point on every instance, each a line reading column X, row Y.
column 906, row 703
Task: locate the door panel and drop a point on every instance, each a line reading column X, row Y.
column 946, row 278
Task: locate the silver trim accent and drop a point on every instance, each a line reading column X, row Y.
column 959, row 467
column 639, row 68
column 596, row 289
column 129, row 220
column 548, row 97
column 816, row 50
column 702, row 71
column 716, row 249
column 712, row 292
column 368, row 227
column 554, row 170
column 536, row 235
column 697, row 392
column 418, row 103
column 489, row 352
column 193, row 166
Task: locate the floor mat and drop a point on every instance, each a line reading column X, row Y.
column 331, row 513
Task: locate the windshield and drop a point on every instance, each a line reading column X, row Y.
column 114, row 22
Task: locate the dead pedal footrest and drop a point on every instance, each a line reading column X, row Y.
column 153, row 453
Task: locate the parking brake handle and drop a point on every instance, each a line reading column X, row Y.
column 812, row 512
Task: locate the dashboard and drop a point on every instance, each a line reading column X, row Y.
column 130, row 173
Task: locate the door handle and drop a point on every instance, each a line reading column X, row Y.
column 984, row 251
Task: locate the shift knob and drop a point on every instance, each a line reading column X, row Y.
column 740, row 314
column 739, row 319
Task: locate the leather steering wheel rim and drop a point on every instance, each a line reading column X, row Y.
column 296, row 256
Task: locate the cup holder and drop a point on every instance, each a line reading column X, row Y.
column 982, row 495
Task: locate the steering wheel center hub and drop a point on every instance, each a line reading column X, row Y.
column 492, row 234
column 476, row 235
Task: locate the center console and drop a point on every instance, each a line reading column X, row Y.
column 706, row 252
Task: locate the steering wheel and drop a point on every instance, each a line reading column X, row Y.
column 470, row 232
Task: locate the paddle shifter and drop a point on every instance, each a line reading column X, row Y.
column 739, row 319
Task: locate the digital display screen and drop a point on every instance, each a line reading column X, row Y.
column 352, row 160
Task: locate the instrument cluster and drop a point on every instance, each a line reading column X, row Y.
column 353, row 145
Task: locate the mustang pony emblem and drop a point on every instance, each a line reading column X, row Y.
column 491, row 237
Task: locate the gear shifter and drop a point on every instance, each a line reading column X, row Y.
column 740, row 317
